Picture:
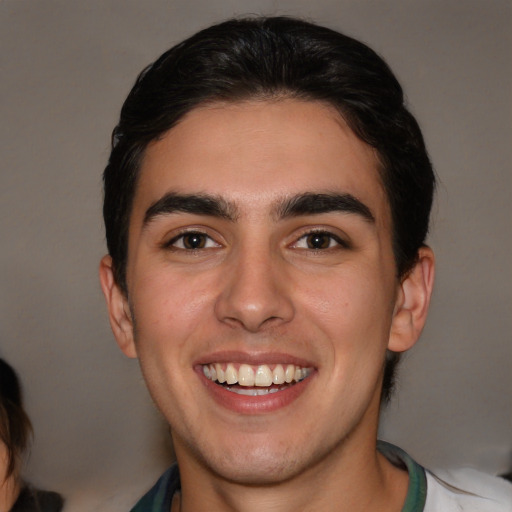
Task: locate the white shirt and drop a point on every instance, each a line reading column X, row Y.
column 467, row 490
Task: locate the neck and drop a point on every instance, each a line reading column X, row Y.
column 9, row 491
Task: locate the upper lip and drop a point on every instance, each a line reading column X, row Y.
column 253, row 358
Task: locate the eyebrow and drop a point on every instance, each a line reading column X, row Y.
column 312, row 204
column 198, row 204
column 299, row 205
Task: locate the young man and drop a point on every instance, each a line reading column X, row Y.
column 267, row 201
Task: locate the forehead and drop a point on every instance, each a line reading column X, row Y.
column 256, row 152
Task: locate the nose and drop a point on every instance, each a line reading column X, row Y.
column 255, row 292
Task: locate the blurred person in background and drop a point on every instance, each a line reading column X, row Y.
column 15, row 436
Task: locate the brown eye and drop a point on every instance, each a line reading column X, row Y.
column 194, row 241
column 319, row 241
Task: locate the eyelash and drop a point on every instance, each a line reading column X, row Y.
column 172, row 244
column 340, row 243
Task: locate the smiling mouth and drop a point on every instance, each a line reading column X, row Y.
column 250, row 380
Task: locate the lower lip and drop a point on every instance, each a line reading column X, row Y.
column 245, row 404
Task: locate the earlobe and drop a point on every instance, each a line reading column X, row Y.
column 118, row 308
column 412, row 302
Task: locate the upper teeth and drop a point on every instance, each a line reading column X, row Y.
column 261, row 376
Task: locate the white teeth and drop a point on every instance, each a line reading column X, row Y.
column 250, row 376
column 290, row 373
column 263, row 376
column 278, row 376
column 245, row 375
column 231, row 374
column 253, row 391
column 221, row 377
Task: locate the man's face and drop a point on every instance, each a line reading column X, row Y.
column 260, row 253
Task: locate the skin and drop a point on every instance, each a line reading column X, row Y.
column 260, row 290
column 9, row 485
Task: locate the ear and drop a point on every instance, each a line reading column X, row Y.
column 412, row 303
column 118, row 308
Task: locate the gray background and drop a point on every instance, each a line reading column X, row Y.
column 65, row 68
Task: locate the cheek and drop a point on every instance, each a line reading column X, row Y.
column 352, row 312
column 170, row 308
column 356, row 300
column 4, row 459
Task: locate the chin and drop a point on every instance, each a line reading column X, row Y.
column 263, row 465
column 259, row 472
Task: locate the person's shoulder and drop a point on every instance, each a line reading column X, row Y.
column 159, row 497
column 34, row 499
column 450, row 490
column 49, row 501
column 467, row 489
